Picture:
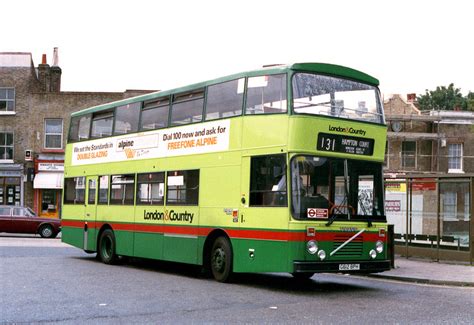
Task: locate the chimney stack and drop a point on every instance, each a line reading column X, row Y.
column 44, row 74
column 50, row 77
column 55, row 73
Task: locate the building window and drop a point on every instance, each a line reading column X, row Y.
column 408, row 154
column 53, row 133
column 7, row 100
column 455, row 157
column 449, row 206
column 6, row 146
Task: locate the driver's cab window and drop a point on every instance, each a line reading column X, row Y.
column 268, row 181
column 310, row 187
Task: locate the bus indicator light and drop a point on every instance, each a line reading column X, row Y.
column 310, row 232
column 381, row 232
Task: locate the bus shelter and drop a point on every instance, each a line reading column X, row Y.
column 431, row 215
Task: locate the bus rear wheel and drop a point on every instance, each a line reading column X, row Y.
column 106, row 250
column 221, row 260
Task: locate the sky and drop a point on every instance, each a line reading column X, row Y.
column 103, row 45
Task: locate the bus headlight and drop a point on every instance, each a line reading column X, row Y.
column 322, row 255
column 373, row 254
column 312, row 247
column 379, row 246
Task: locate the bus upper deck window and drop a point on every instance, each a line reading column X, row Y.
column 102, row 124
column 126, row 118
column 266, row 94
column 225, row 99
column 80, row 126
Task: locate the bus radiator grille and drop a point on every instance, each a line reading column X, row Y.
column 352, row 249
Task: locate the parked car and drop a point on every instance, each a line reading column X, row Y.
column 16, row 219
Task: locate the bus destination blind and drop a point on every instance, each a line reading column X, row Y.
column 345, row 144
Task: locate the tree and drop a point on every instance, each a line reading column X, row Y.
column 470, row 101
column 443, row 98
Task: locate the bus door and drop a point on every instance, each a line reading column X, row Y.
column 89, row 242
column 263, row 215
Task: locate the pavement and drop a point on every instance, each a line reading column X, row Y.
column 430, row 272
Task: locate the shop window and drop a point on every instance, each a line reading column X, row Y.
column 49, row 202
column 53, row 133
column 6, row 146
column 7, row 100
column 74, row 190
column 266, row 94
column 150, row 188
column 268, row 181
column 225, row 99
column 122, row 188
column 10, row 191
column 183, row 187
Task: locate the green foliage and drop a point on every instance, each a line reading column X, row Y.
column 470, row 101
column 446, row 98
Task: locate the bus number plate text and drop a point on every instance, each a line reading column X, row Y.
column 349, row 267
column 345, row 144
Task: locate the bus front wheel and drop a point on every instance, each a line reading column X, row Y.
column 221, row 259
column 106, row 250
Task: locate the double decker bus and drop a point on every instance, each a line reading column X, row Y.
column 273, row 170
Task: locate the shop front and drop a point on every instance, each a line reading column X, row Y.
column 48, row 185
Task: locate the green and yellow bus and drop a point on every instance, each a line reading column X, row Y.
column 273, row 170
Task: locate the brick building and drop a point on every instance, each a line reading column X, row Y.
column 34, row 120
column 428, row 142
column 429, row 169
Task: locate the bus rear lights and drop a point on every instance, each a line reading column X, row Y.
column 379, row 246
column 322, row 255
column 312, row 247
column 373, row 254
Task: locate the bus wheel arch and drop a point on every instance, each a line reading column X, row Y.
column 218, row 255
column 218, row 246
column 106, row 245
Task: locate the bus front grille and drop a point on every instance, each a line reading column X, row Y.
column 352, row 249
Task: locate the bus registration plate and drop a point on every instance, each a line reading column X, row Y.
column 349, row 267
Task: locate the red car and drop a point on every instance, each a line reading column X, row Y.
column 15, row 219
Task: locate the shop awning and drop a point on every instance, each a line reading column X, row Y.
column 48, row 180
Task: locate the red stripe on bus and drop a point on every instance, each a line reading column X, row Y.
column 233, row 233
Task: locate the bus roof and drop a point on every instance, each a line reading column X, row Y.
column 323, row 68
